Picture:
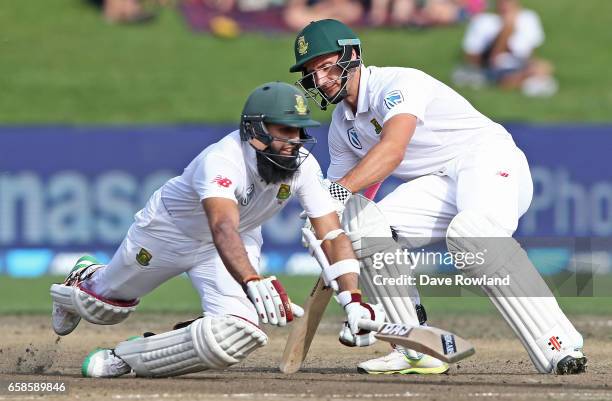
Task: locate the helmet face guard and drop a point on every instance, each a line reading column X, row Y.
column 345, row 65
column 253, row 130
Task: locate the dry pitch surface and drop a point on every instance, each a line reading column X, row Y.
column 499, row 370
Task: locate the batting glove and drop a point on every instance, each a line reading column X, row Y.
column 271, row 302
column 350, row 334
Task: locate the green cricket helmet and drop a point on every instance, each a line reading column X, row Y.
column 277, row 103
column 319, row 38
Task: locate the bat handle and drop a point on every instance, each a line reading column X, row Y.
column 371, row 325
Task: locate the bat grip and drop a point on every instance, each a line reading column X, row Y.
column 371, row 325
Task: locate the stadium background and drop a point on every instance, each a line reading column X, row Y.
column 93, row 117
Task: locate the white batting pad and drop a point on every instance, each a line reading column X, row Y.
column 207, row 343
column 90, row 307
column 370, row 233
column 527, row 304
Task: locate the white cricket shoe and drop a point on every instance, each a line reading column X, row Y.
column 403, row 362
column 63, row 320
column 102, row 362
column 571, row 363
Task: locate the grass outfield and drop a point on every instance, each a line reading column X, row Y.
column 31, row 296
column 61, row 63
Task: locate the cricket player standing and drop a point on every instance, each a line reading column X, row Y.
column 207, row 223
column 464, row 176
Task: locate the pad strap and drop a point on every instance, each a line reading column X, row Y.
column 339, row 268
column 333, row 234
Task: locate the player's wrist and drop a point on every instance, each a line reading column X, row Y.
column 347, row 297
column 339, row 192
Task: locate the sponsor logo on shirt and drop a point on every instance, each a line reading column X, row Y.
column 393, row 98
column 222, row 181
column 284, row 192
column 249, row 195
column 353, row 138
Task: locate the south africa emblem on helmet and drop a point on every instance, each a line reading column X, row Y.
column 302, row 46
column 144, row 257
column 283, row 192
column 300, row 105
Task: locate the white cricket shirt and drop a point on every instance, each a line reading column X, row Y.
column 228, row 169
column 447, row 124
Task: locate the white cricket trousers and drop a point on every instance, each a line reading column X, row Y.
column 173, row 253
column 492, row 178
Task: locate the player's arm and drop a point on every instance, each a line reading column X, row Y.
column 338, row 249
column 223, row 219
column 384, row 157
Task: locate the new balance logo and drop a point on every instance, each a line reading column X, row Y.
column 222, row 181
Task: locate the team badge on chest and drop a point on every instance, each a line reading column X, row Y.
column 284, row 192
column 377, row 127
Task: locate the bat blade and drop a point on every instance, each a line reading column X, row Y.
column 303, row 330
column 446, row 346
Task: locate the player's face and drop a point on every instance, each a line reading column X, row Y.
column 283, row 133
column 326, row 73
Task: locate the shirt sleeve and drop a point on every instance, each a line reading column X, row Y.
column 341, row 158
column 405, row 95
column 312, row 194
column 216, row 177
column 528, row 36
column 480, row 33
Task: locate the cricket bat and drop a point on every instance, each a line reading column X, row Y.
column 303, row 329
column 444, row 345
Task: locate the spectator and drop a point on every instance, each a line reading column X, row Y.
column 123, row 11
column 299, row 13
column 422, row 12
column 498, row 48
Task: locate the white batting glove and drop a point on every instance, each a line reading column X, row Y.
column 350, row 334
column 271, row 302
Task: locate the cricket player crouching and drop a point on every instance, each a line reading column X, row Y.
column 207, row 223
column 465, row 180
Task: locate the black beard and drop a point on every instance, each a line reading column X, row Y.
column 273, row 174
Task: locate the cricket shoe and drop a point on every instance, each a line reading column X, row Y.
column 572, row 363
column 102, row 362
column 401, row 361
column 63, row 316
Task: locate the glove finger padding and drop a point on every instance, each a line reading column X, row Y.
column 255, row 297
column 349, row 339
column 271, row 301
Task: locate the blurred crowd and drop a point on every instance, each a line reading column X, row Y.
column 297, row 13
column 498, row 46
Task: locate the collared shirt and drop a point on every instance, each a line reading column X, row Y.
column 228, row 169
column 447, row 124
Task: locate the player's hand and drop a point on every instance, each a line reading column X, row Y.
column 271, row 302
column 351, row 335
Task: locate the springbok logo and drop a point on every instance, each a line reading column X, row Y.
column 300, row 105
column 302, row 46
